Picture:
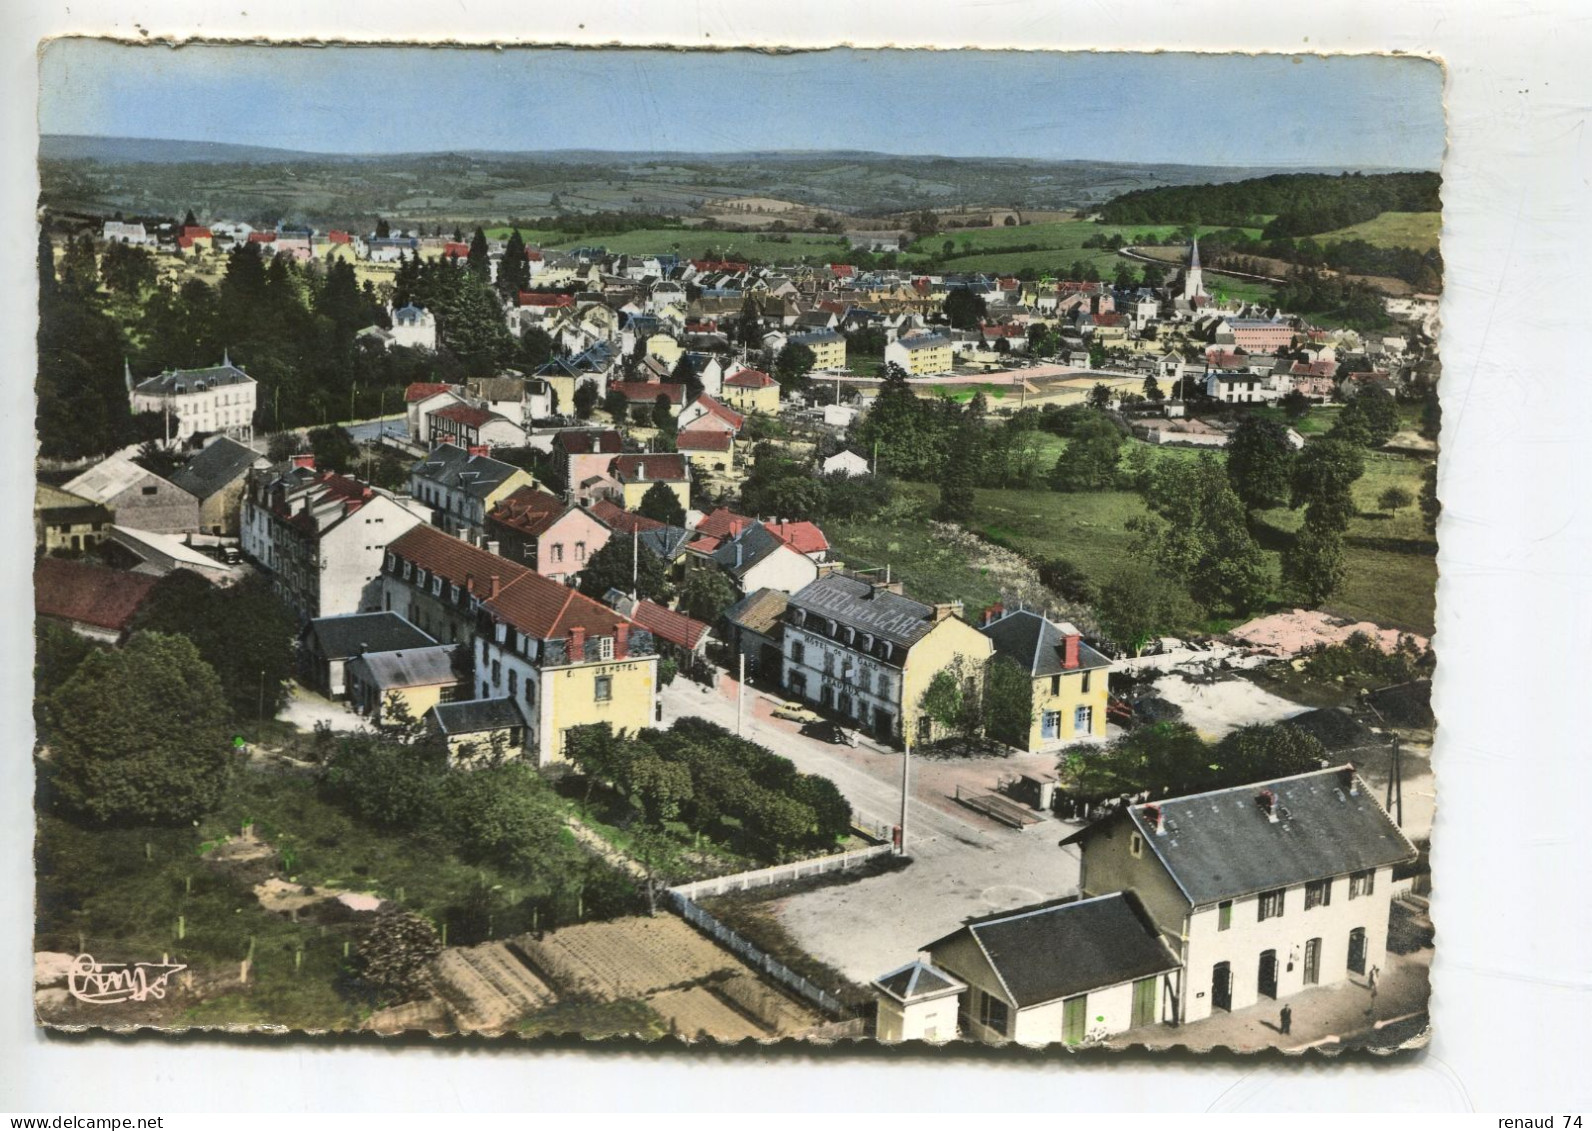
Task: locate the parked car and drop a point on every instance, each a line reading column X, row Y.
column 826, row 731
column 796, row 713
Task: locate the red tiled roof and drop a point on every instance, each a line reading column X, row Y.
column 262, row 237
column 197, row 232
column 529, row 511
column 420, row 390
column 88, row 594
column 1107, row 318
column 728, row 265
column 647, row 392
column 659, row 467
column 544, row 609
column 843, row 270
column 666, row 624
column 545, row 298
column 334, row 236
column 455, row 560
column 721, row 410
column 803, row 537
column 588, row 443
column 704, row 545
column 533, row 254
column 1313, row 369
column 749, row 379
column 615, row 517
column 722, row 523
column 1003, row 331
column 456, row 250
column 703, row 440
column 830, row 306
column 468, row 415
column 1224, row 358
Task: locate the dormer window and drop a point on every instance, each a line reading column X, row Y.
column 605, row 647
column 392, row 563
column 453, row 594
column 408, row 569
column 420, row 578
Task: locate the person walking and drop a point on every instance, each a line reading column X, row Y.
column 1285, row 1022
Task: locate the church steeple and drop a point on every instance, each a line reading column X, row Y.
column 1194, row 254
column 1193, row 277
column 127, row 373
column 226, row 354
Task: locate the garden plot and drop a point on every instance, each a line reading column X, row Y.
column 487, row 987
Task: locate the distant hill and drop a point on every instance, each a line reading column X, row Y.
column 159, row 151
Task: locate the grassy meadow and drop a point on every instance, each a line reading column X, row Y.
column 1419, row 230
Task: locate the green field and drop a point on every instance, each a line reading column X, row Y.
column 693, row 242
column 1392, row 568
column 1061, row 241
column 1419, row 230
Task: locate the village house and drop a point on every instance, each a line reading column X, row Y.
column 416, row 678
column 461, row 485
column 199, row 401
column 753, row 557
column 647, row 394
column 678, row 637
column 1261, row 890
column 846, row 464
column 421, row 399
column 477, row 730
column 518, row 399
column 828, row 346
column 751, row 390
column 707, row 449
column 541, row 531
column 329, row 643
column 413, row 327
column 137, row 497
column 66, row 522
column 567, row 372
column 472, row 427
column 1068, row 973
column 1240, row 386
column 864, row 651
column 637, row 473
column 217, row 477
column 707, row 413
column 437, row 582
column 160, row 554
column 91, row 600
column 1070, row 679
column 581, row 453
column 320, row 536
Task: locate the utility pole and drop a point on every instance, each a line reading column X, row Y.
column 1395, row 786
column 740, row 697
column 635, row 562
column 906, row 781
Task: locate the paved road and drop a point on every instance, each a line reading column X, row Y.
column 367, row 430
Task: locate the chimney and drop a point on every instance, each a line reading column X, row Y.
column 493, row 587
column 482, row 450
column 1069, row 651
column 1267, row 800
column 306, row 461
column 945, row 610
column 992, row 614
column 740, row 553
column 491, row 545
column 577, row 645
column 621, row 641
column 1155, row 818
column 1349, row 781
column 469, row 583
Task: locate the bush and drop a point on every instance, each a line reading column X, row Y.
column 1068, row 580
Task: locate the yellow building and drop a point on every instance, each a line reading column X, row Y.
column 418, row 678
column 1070, row 679
column 665, row 349
column 828, row 346
column 64, row 521
column 638, row 474
column 863, row 650
column 479, row 730
column 751, row 390
column 921, row 355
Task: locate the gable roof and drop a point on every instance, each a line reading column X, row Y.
column 88, row 594
column 586, row 441
column 803, row 537
column 1221, row 845
column 222, row 462
column 720, row 410
column 1067, row 949
column 341, row 637
column 408, row 667
column 477, row 716
column 664, row 623
column 529, row 511
column 703, row 440
column 454, row 559
column 919, row 981
column 420, row 390
column 467, row 415
column 650, row 467
column 1035, row 643
column 760, row 611
column 749, row 379
column 109, row 478
column 453, row 467
column 648, row 392
column 722, row 523
column 543, row 609
column 616, row 517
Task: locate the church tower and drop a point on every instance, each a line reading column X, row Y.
column 1193, row 282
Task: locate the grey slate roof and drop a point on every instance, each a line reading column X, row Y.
column 453, row 467
column 1070, row 949
column 759, row 612
column 339, row 638
column 411, row 667
column 918, row 980
column 477, row 716
column 667, row 542
column 737, row 555
column 222, row 462
column 1221, row 845
column 1035, row 643
column 192, row 380
column 888, row 616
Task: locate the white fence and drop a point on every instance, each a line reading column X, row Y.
column 780, row 873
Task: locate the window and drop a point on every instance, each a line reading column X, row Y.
column 1362, row 883
column 580, row 551
column 993, row 1013
column 392, row 562
column 1086, row 676
column 1318, row 894
column 1224, row 915
column 605, row 688
column 151, row 490
column 798, row 652
column 408, row 569
column 453, row 594
column 558, row 551
column 605, row 647
column 1055, row 685
column 514, row 683
column 497, row 671
column 1083, row 721
column 1270, row 904
column 420, row 578
column 829, row 663
column 436, row 586
column 483, row 650
column 1135, row 845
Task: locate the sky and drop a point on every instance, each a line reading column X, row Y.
column 1348, row 111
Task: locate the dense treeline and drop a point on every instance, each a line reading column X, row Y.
column 1300, row 203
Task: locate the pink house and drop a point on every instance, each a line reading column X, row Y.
column 540, row 531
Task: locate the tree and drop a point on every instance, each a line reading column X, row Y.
column 1259, row 462
column 254, row 680
column 1009, row 702
column 395, row 953
column 1323, row 477
column 1431, row 507
column 1137, row 604
column 1100, row 395
column 1152, row 389
column 1313, row 565
column 1089, row 462
column 661, row 504
column 1261, row 752
column 334, row 448
column 1197, row 534
column 138, row 734
column 1154, row 275
column 514, row 274
column 1067, row 579
column 1371, row 418
column 1394, row 499
column 706, row 594
column 1295, row 405
column 953, row 700
column 964, row 309
column 610, row 568
column 792, row 367
column 956, row 487
column 615, row 405
column 585, row 399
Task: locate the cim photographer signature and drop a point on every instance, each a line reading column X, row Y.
column 110, row 983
